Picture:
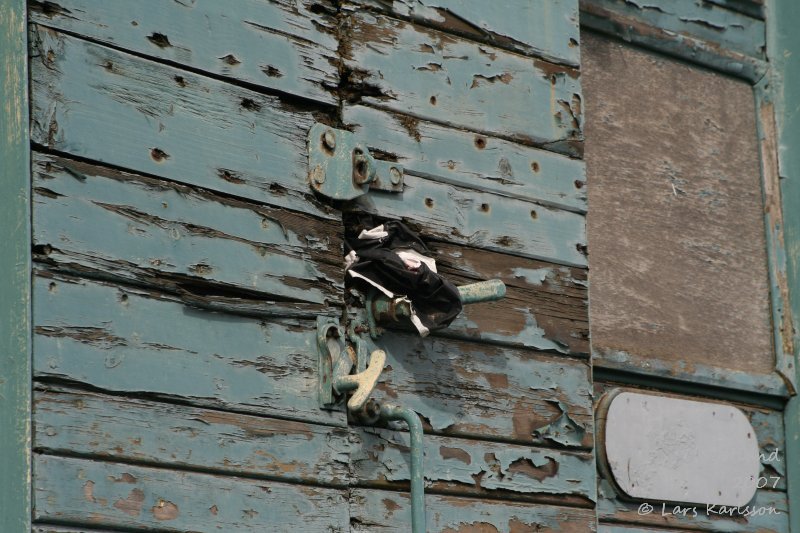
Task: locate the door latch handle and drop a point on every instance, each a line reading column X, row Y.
column 362, row 383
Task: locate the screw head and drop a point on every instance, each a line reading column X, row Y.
column 318, row 175
column 395, row 176
column 329, row 139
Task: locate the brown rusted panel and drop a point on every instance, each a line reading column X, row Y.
column 675, row 230
column 374, row 510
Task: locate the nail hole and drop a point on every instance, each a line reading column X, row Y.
column 535, row 166
column 180, row 81
column 534, row 214
column 53, row 287
column 485, row 208
column 433, row 100
column 579, row 184
column 250, row 104
column 429, row 202
column 123, row 298
column 573, row 43
column 158, row 155
column 480, row 142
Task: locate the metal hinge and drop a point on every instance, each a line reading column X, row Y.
column 341, row 167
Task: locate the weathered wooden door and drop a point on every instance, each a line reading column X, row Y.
column 181, row 260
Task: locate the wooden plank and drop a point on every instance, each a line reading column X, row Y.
column 15, row 262
column 545, row 306
column 136, row 341
column 448, row 213
column 429, row 74
column 154, row 232
column 692, row 224
column 768, row 512
column 476, row 468
column 373, row 510
column 283, row 45
column 751, row 8
column 131, row 429
column 484, row 391
column 108, row 495
column 722, row 28
column 98, row 103
column 475, row 161
column 544, row 29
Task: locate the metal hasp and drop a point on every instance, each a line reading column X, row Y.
column 387, row 310
column 341, row 168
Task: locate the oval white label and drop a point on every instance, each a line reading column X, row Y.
column 673, row 450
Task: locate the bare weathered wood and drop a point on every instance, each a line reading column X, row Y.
column 167, row 234
column 545, row 29
column 486, row 391
column 678, row 253
column 136, row 341
column 375, row 510
column 110, row 495
column 426, row 73
column 545, row 306
column 472, row 160
column 476, row 468
column 98, row 103
column 289, row 46
column 463, row 216
column 130, row 429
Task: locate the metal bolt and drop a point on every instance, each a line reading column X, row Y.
column 329, row 139
column 318, row 175
column 395, row 176
column 361, row 168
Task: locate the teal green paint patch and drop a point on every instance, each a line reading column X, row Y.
column 15, row 344
column 98, row 103
column 126, row 496
column 484, row 220
column 467, row 159
column 154, row 232
column 544, row 29
column 129, row 429
column 137, row 341
column 290, row 48
column 427, row 74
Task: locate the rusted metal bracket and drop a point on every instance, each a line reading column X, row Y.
column 341, row 168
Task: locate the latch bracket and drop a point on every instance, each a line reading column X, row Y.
column 341, row 168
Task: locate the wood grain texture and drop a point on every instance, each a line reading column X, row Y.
column 723, row 28
column 471, row 160
column 283, row 45
column 678, row 251
column 110, row 495
column 167, row 234
column 545, row 306
column 134, row 430
column 476, row 468
column 544, row 29
column 484, row 391
column 98, row 103
column 425, row 73
column 136, row 341
column 457, row 215
column 374, row 510
column 15, row 264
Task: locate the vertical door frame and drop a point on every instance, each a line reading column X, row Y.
column 15, row 269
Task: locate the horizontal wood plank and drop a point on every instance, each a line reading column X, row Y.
column 472, row 160
column 98, row 103
column 283, row 45
column 131, row 429
column 723, row 28
column 767, row 513
column 545, row 306
column 425, row 73
column 164, row 234
column 476, row 468
column 485, row 391
column 375, row 510
column 134, row 341
column 448, row 213
column 111, row 495
column 545, row 29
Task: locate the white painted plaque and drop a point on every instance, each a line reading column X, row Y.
column 672, row 450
